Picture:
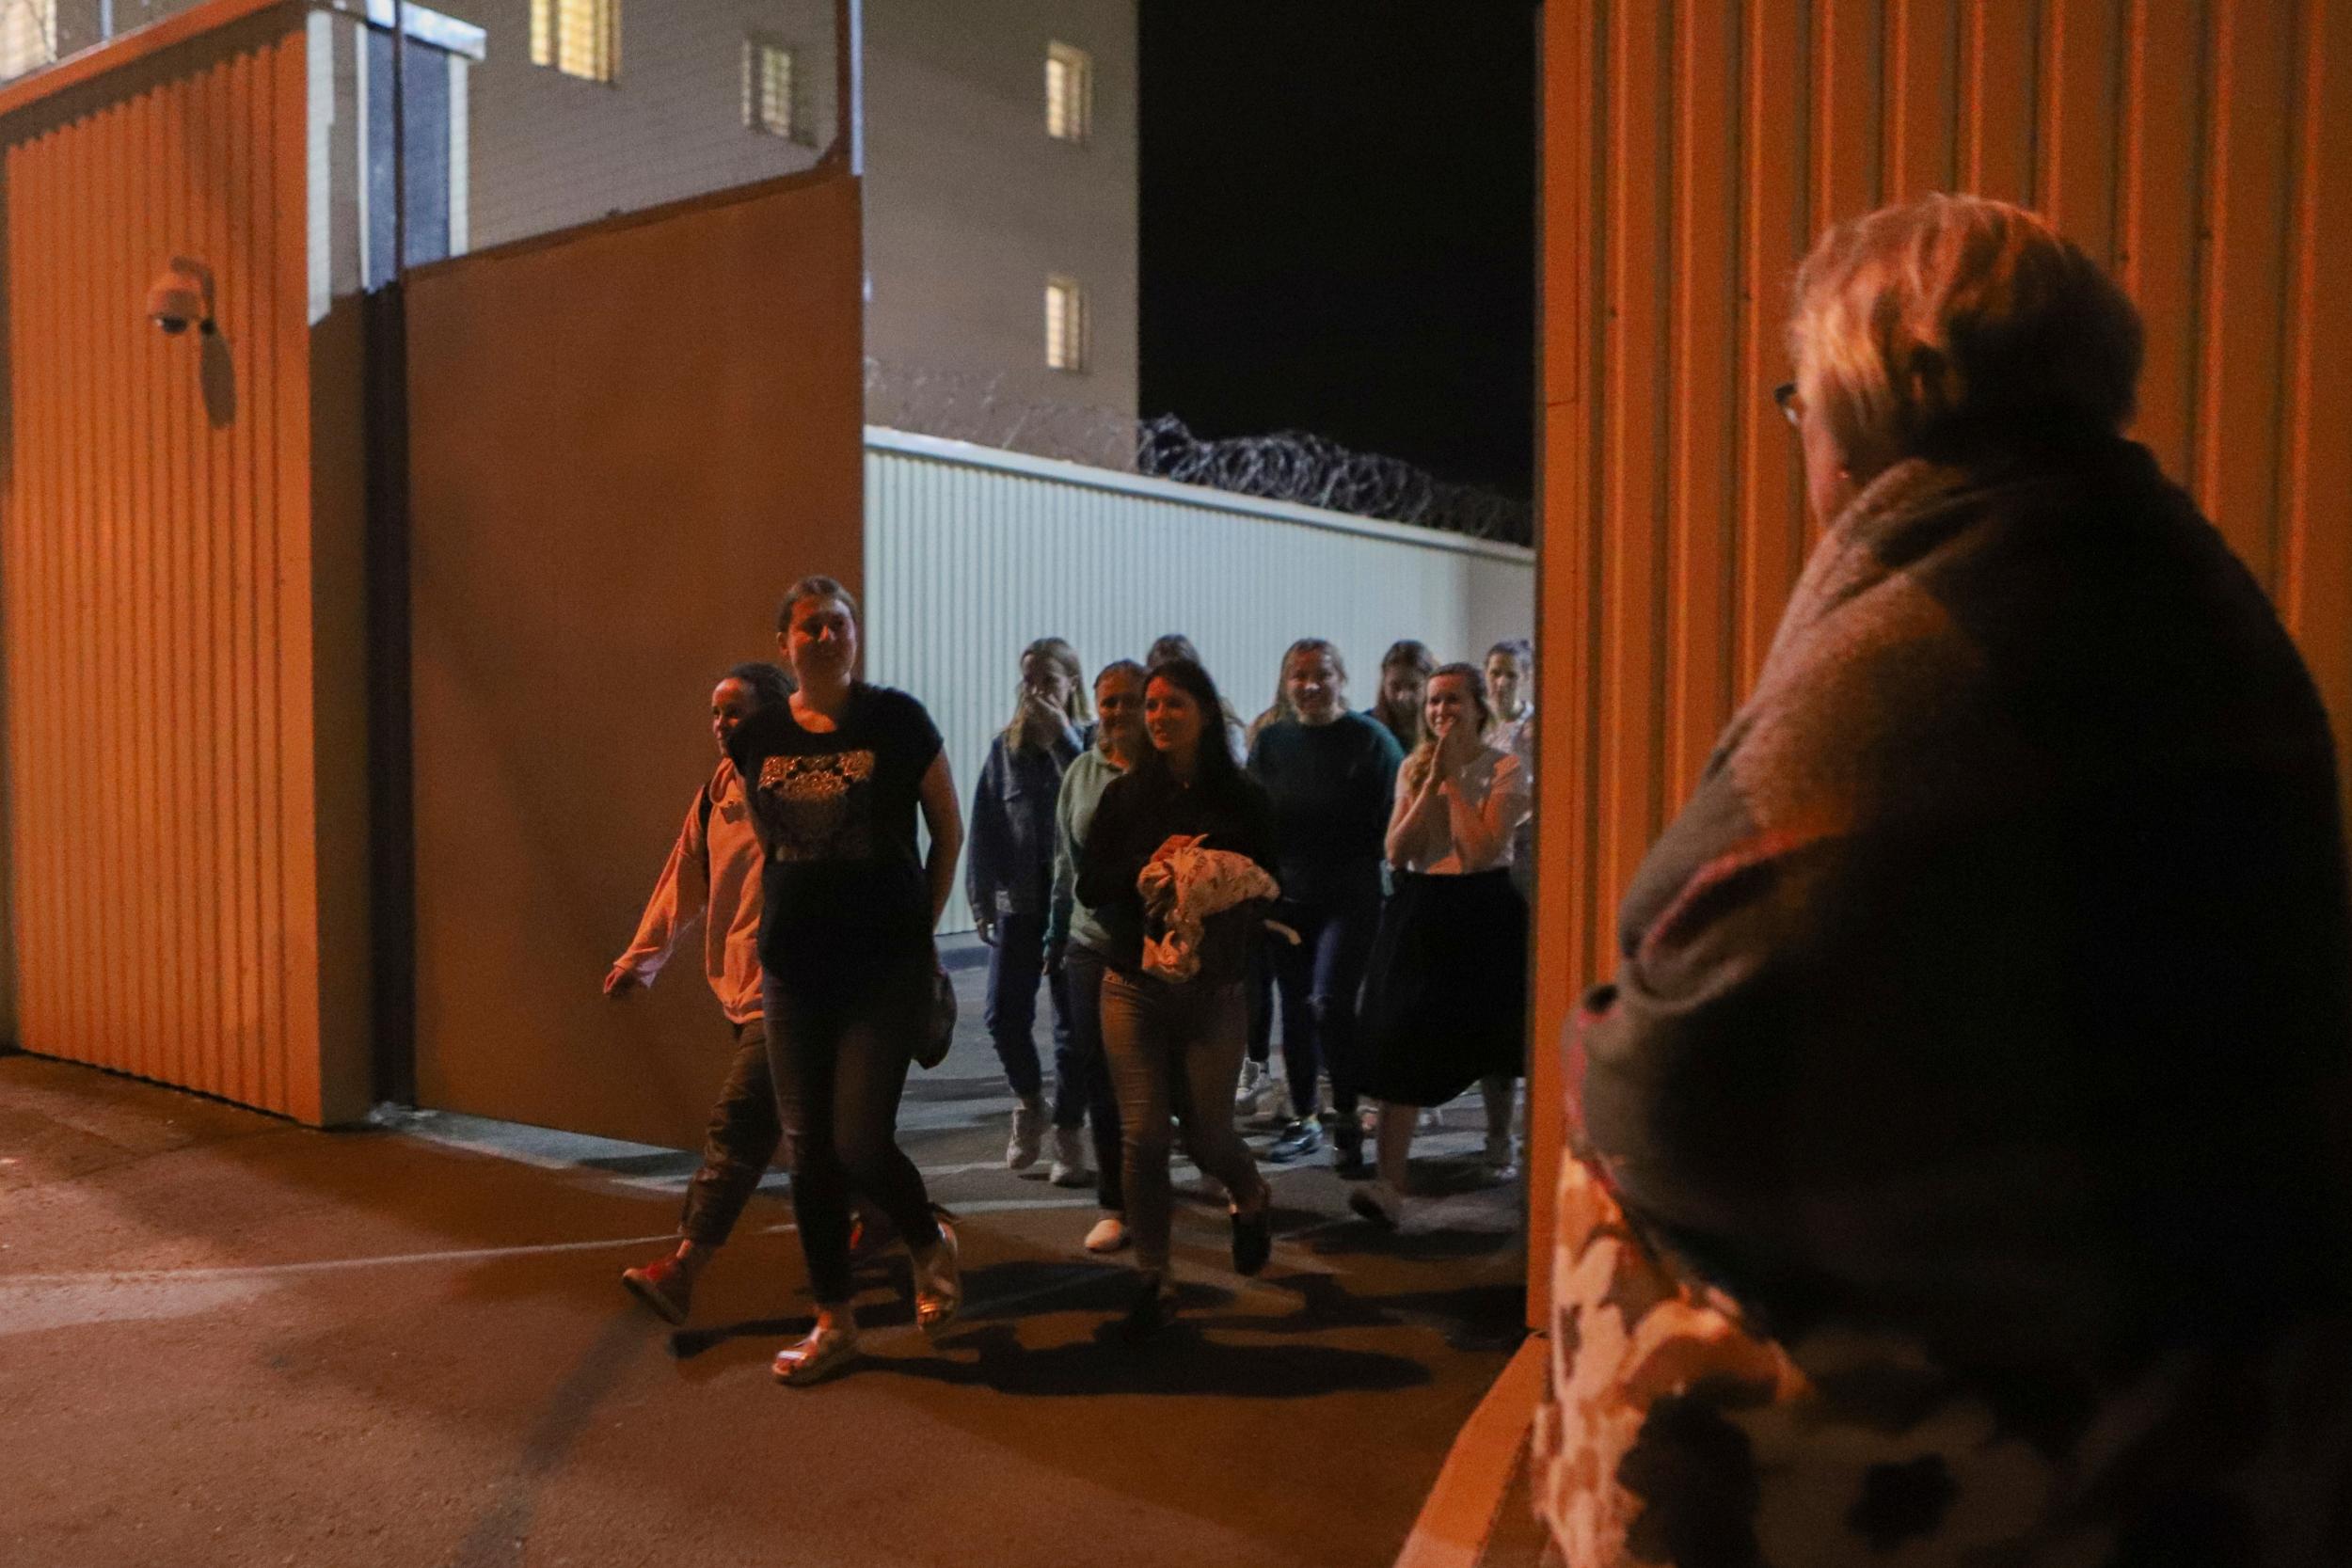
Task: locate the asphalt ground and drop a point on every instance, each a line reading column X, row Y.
column 226, row 1339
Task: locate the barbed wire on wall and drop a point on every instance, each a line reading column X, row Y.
column 1286, row 466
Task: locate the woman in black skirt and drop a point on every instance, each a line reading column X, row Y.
column 1445, row 1004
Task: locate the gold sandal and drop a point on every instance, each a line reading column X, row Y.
column 823, row 1352
column 938, row 1284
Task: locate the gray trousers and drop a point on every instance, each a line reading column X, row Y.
column 1175, row 1050
column 739, row 1144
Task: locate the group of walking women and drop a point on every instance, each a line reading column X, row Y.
column 1148, row 868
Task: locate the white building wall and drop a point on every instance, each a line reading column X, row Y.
column 972, row 553
column 551, row 152
column 970, row 205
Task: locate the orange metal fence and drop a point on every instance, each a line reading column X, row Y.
column 168, row 556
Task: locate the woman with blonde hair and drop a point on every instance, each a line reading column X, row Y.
column 1446, row 991
column 1965, row 1123
column 1008, row 880
column 1329, row 773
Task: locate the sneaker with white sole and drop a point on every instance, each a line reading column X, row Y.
column 1273, row 1104
column 1070, row 1159
column 1253, row 1077
column 1108, row 1235
column 1501, row 1156
column 1029, row 1123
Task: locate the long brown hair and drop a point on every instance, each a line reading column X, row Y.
column 1406, row 725
column 1061, row 656
column 1426, row 755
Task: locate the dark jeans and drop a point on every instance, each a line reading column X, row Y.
column 1318, row 980
column 1083, row 970
column 1260, row 984
column 736, row 1146
column 1015, row 965
column 838, row 1051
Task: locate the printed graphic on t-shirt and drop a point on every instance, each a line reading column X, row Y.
column 820, row 807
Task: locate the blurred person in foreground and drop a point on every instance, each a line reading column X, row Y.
column 1960, row 1156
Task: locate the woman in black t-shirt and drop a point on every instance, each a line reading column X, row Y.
column 837, row 778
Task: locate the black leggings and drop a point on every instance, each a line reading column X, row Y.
column 839, row 1049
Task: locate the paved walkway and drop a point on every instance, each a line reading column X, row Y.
column 226, row 1339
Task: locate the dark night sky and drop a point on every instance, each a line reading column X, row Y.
column 1339, row 225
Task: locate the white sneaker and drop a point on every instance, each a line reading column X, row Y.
column 1274, row 1099
column 1501, row 1156
column 1253, row 1075
column 1108, row 1235
column 1029, row 1134
column 1069, row 1158
column 1432, row 1120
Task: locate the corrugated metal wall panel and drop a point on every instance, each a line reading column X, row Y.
column 971, row 555
column 2200, row 147
column 157, row 578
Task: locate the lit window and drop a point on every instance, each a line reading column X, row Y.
column 1069, row 92
column 579, row 37
column 28, row 36
column 771, row 84
column 1065, row 324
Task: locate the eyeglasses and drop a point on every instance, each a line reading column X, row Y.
column 1791, row 407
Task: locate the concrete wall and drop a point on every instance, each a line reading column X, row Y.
column 2202, row 148
column 611, row 484
column 551, row 150
column 970, row 204
column 180, row 521
column 972, row 553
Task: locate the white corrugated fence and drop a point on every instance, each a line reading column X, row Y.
column 971, row 553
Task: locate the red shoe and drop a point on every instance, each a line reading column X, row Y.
column 666, row 1285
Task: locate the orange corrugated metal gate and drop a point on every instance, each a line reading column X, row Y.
column 2202, row 148
column 180, row 586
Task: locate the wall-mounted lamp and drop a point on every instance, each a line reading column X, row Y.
column 182, row 298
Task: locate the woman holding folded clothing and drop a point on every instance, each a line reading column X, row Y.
column 1175, row 1046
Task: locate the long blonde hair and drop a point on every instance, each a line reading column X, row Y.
column 1426, row 755
column 1062, row 656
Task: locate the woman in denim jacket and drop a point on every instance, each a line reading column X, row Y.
column 1009, row 877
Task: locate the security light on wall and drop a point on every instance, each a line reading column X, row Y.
column 182, row 298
